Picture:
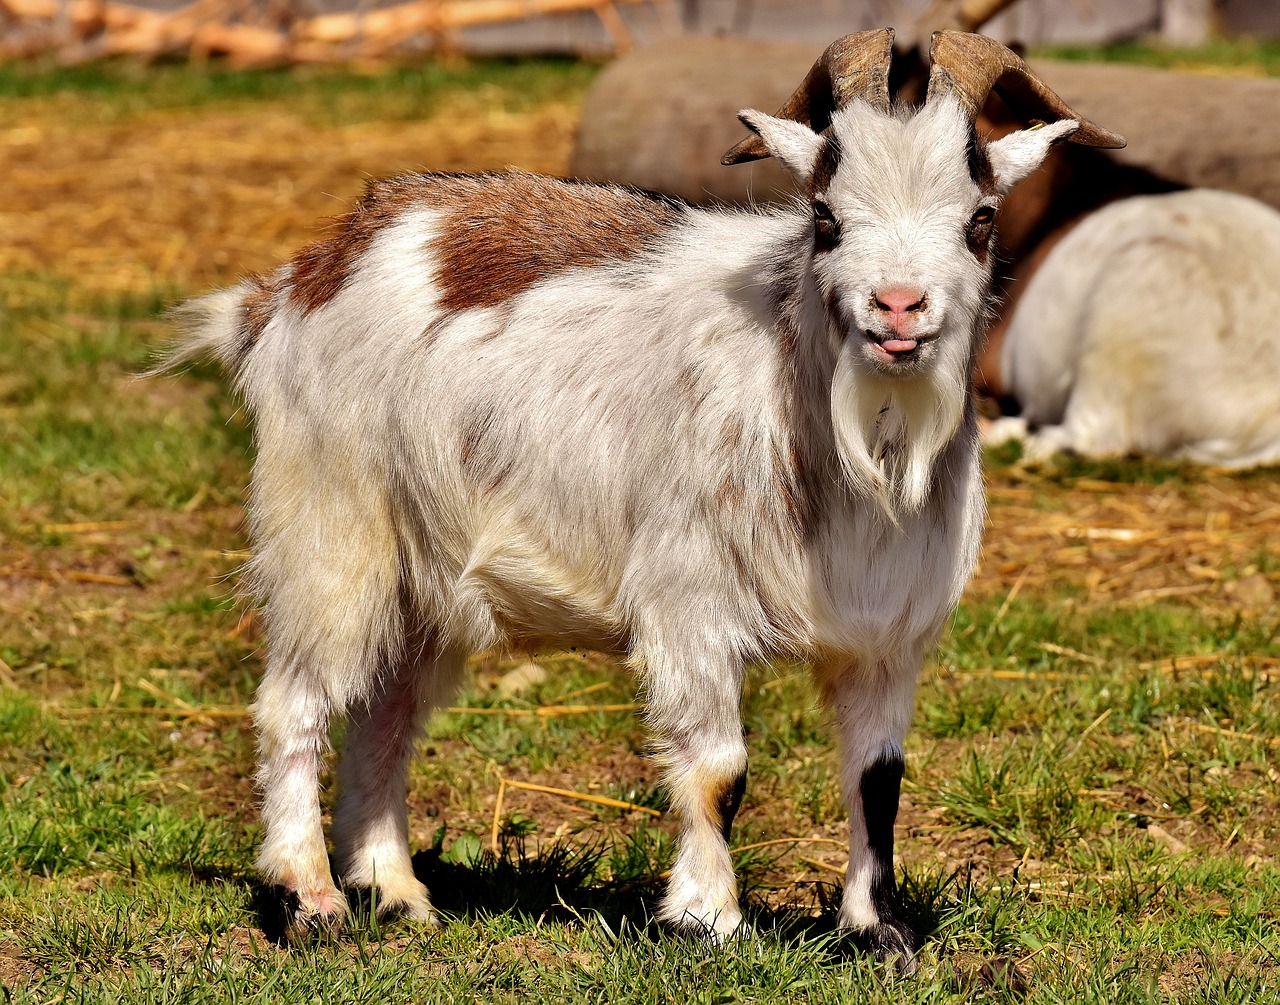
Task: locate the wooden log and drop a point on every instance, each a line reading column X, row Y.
column 402, row 20
column 212, row 26
column 661, row 117
column 84, row 15
column 1194, row 128
column 244, row 44
column 162, row 32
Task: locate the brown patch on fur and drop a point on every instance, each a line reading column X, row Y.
column 723, row 802
column 469, row 440
column 501, row 234
column 731, row 492
column 321, row 269
column 740, row 567
column 731, row 434
column 258, row 306
column 788, row 340
column 687, row 384
column 789, row 485
column 480, row 454
column 431, row 333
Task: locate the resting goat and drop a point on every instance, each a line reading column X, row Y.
column 511, row 411
column 1154, row 326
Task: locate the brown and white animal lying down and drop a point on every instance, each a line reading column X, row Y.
column 1153, row 327
column 507, row 410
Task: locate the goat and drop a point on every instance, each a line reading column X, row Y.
column 1154, row 326
column 506, row 410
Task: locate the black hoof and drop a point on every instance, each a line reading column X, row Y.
column 890, row 942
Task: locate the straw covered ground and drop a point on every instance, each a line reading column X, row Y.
column 1090, row 811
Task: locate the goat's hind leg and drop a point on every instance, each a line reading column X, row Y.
column 873, row 705
column 370, row 822
column 291, row 711
column 330, row 574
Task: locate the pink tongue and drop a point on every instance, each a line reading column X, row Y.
column 898, row 344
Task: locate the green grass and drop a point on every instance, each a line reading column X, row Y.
column 1246, row 54
column 1056, row 761
column 117, row 91
column 81, row 434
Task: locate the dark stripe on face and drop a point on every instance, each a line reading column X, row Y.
column 980, row 169
column 728, row 800
column 825, row 167
column 826, row 228
column 880, row 788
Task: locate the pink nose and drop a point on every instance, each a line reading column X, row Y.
column 899, row 300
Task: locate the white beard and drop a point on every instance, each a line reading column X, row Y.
column 890, row 430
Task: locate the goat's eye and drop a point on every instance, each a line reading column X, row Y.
column 826, row 229
column 978, row 234
column 984, row 217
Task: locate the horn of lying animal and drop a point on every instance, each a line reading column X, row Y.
column 854, row 67
column 970, row 67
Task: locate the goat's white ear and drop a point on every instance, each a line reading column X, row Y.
column 792, row 144
column 1015, row 156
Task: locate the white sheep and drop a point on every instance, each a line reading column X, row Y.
column 506, row 410
column 1153, row 326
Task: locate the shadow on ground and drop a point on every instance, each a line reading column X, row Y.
column 621, row 887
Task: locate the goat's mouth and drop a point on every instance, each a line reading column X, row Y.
column 894, row 349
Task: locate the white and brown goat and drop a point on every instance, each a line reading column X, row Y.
column 506, row 410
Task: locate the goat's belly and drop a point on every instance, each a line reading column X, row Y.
column 522, row 598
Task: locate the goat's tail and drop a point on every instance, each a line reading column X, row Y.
column 209, row 327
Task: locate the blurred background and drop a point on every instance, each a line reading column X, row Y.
column 370, row 28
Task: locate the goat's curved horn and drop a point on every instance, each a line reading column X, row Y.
column 853, row 67
column 970, row 67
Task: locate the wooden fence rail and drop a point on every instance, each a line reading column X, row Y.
column 261, row 32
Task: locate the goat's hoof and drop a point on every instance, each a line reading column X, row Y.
column 391, row 902
column 308, row 919
column 716, row 927
column 420, row 912
column 891, row 942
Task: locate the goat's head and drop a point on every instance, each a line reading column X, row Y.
column 903, row 208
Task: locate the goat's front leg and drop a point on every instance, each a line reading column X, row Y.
column 873, row 703
column 694, row 709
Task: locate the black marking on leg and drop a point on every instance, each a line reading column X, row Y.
column 881, row 787
column 728, row 800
